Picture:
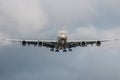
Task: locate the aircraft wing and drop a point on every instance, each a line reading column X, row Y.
column 45, row 43
column 53, row 43
column 85, row 43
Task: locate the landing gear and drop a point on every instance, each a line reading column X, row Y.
column 56, row 50
column 64, row 50
column 70, row 50
column 52, row 49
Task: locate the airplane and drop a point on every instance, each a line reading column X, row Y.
column 61, row 43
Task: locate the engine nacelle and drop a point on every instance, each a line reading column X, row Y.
column 74, row 45
column 83, row 44
column 98, row 43
column 40, row 44
column 24, row 43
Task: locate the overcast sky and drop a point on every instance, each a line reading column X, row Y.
column 42, row 19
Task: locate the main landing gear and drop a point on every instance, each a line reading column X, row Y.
column 56, row 50
column 64, row 50
column 70, row 50
column 52, row 49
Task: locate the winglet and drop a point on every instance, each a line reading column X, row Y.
column 2, row 39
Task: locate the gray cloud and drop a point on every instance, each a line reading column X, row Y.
column 41, row 19
column 92, row 32
column 24, row 17
column 104, row 14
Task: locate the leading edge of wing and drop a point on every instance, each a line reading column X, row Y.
column 17, row 40
column 107, row 40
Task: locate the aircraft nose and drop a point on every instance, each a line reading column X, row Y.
column 63, row 36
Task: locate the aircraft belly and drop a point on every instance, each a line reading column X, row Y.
column 61, row 44
column 61, row 47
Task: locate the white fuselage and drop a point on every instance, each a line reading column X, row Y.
column 61, row 40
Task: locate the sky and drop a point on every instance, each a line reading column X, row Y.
column 42, row 19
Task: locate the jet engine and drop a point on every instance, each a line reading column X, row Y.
column 98, row 43
column 40, row 44
column 24, row 43
column 83, row 44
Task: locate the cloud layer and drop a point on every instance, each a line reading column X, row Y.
column 42, row 19
column 23, row 17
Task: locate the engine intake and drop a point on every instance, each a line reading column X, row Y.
column 40, row 44
column 83, row 44
column 24, row 43
column 98, row 43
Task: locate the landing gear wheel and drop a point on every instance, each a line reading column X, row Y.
column 65, row 50
column 52, row 49
column 70, row 50
column 56, row 50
